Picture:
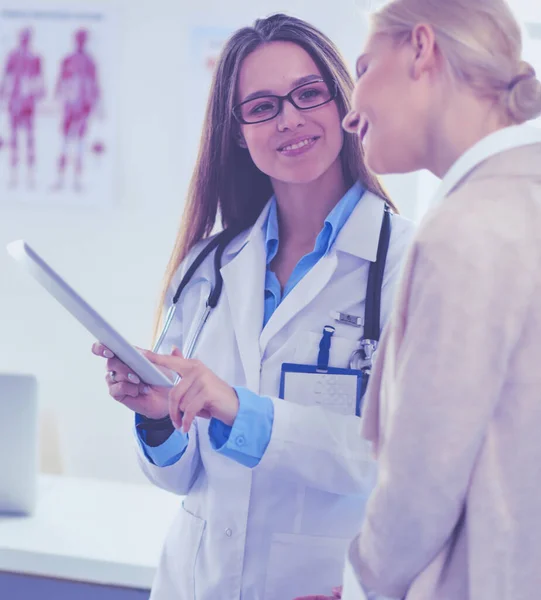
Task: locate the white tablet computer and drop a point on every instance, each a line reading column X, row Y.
column 85, row 314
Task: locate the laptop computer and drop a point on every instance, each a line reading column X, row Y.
column 18, row 443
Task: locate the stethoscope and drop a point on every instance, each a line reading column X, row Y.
column 360, row 359
column 218, row 243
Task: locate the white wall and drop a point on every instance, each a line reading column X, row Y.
column 115, row 258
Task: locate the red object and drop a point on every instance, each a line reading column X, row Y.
column 336, row 595
column 77, row 88
column 22, row 87
column 98, row 148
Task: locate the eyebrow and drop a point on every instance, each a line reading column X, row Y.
column 294, row 84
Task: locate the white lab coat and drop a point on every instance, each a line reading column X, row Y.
column 281, row 529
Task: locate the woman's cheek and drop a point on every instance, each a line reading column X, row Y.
column 373, row 152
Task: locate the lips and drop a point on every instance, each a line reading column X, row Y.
column 298, row 143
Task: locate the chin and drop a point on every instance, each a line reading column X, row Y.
column 302, row 180
column 383, row 164
column 376, row 166
column 300, row 175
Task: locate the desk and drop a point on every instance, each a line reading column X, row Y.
column 87, row 539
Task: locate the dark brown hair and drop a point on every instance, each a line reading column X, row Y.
column 225, row 179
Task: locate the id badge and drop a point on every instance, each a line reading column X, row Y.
column 338, row 390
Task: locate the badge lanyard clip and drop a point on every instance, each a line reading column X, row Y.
column 325, row 349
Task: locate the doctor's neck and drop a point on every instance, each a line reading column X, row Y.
column 303, row 207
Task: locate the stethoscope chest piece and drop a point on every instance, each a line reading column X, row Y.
column 361, row 358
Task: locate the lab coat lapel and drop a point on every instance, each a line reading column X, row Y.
column 244, row 285
column 300, row 296
column 359, row 237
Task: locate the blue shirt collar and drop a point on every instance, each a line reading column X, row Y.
column 272, row 232
column 334, row 222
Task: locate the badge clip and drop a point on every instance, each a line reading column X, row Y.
column 346, row 319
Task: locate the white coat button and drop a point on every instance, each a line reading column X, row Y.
column 241, row 440
column 228, row 532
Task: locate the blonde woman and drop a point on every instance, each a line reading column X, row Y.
column 454, row 404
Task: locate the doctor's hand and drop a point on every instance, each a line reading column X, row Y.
column 126, row 387
column 200, row 393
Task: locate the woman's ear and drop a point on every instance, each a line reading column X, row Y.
column 423, row 41
column 351, row 122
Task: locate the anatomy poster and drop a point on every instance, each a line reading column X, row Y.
column 57, row 113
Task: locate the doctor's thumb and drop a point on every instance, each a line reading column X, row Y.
column 177, row 352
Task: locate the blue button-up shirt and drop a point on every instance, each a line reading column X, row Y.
column 247, row 439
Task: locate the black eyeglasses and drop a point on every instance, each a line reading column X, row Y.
column 304, row 97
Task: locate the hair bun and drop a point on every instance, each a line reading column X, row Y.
column 524, row 94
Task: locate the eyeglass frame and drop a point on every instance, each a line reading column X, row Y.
column 289, row 98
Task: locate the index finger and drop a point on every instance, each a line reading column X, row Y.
column 174, row 363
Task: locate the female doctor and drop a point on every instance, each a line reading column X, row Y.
column 272, row 478
column 453, row 407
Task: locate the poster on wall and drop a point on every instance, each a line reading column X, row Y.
column 57, row 105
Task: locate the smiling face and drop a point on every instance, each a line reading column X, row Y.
column 391, row 105
column 297, row 146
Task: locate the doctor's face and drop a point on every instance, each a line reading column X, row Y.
column 389, row 107
column 296, row 146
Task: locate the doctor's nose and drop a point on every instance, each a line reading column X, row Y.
column 351, row 121
column 290, row 117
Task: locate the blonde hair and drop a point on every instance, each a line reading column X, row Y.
column 482, row 43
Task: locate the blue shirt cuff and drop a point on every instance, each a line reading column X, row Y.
column 165, row 454
column 248, row 438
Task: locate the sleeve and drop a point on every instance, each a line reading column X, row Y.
column 248, row 438
column 174, row 465
column 166, row 453
column 462, row 318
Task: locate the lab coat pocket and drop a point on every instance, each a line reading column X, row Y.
column 180, row 557
column 300, row 565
